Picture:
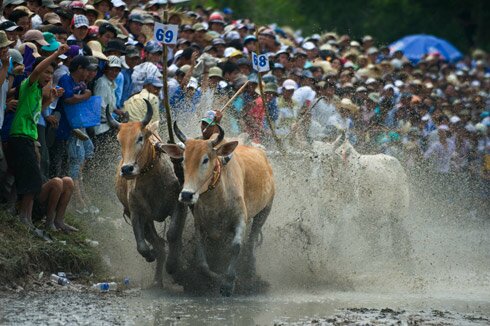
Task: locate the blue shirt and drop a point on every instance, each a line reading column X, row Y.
column 127, row 88
column 71, row 88
column 119, row 89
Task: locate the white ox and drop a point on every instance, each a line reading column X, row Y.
column 375, row 185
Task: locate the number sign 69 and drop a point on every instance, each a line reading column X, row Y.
column 260, row 62
column 167, row 34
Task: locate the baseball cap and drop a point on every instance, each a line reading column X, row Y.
column 215, row 72
column 218, row 41
column 249, row 38
column 157, row 82
column 198, row 27
column 153, row 47
column 118, row 3
column 10, row 26
column 309, row 46
column 52, row 18
column 12, row 2
column 72, row 52
column 243, row 62
column 137, row 18
column 80, row 21
column 16, row 56
column 35, row 35
column 77, row 5
column 94, row 63
column 132, row 51
column 193, row 83
column 114, row 62
column 49, row 4
column 289, row 84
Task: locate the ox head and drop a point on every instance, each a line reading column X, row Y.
column 328, row 150
column 200, row 159
column 132, row 137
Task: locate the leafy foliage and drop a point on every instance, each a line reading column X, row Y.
column 462, row 22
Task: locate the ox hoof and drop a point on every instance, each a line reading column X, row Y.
column 150, row 259
column 226, row 289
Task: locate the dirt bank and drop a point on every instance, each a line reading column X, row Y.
column 23, row 256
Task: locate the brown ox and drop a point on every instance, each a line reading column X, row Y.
column 148, row 189
column 226, row 199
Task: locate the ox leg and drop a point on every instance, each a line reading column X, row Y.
column 139, row 234
column 158, row 245
column 174, row 238
column 228, row 283
column 253, row 239
column 201, row 260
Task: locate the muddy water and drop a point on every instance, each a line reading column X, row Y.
column 166, row 308
column 324, row 264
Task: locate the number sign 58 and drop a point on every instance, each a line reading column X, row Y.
column 260, row 62
column 167, row 34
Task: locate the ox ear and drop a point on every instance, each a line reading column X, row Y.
column 172, row 150
column 227, row 149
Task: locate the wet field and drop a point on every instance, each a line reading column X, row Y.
column 325, row 263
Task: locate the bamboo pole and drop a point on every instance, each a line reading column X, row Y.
column 234, row 97
column 165, row 87
column 264, row 103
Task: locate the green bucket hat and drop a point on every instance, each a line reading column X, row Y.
column 209, row 118
column 53, row 43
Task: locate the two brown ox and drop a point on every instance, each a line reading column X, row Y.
column 225, row 199
column 147, row 187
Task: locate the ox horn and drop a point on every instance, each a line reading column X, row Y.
column 182, row 137
column 220, row 137
column 110, row 120
column 149, row 113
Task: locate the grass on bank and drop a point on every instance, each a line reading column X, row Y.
column 22, row 253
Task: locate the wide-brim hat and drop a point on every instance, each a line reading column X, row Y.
column 4, row 41
column 347, row 104
column 97, row 50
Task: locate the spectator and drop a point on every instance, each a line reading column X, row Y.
column 23, row 133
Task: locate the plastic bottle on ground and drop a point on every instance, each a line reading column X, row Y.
column 105, row 286
column 59, row 279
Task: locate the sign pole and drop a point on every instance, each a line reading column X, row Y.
column 165, row 87
column 264, row 103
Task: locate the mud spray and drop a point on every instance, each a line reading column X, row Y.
column 315, row 240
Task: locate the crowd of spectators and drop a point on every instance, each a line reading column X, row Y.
column 59, row 54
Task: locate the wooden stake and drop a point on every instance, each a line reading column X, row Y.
column 165, row 88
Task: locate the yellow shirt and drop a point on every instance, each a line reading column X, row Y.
column 136, row 106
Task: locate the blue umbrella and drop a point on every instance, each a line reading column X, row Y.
column 414, row 47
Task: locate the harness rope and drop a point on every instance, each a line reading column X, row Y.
column 215, row 176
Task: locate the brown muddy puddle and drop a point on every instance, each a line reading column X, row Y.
column 156, row 307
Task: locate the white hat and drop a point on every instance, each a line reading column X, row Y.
column 443, row 127
column 289, row 84
column 370, row 80
column 119, row 3
column 399, row 83
column 229, row 51
column 193, row 83
column 455, row 119
column 309, row 46
column 114, row 62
